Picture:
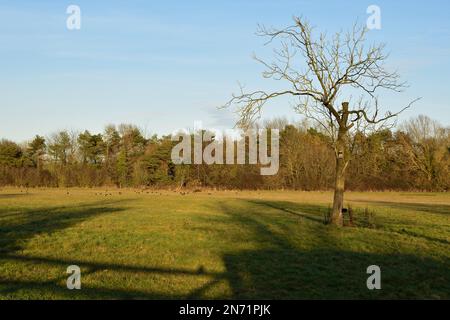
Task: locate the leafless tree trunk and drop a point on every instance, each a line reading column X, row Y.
column 329, row 66
column 342, row 160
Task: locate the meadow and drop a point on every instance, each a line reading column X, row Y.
column 152, row 244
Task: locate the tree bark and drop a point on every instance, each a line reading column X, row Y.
column 339, row 188
column 342, row 158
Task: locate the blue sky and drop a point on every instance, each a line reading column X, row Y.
column 163, row 65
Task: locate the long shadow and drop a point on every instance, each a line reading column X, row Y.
column 439, row 209
column 428, row 208
column 53, row 286
column 280, row 270
column 417, row 235
column 276, row 269
column 29, row 222
column 35, row 289
column 94, row 266
column 309, row 212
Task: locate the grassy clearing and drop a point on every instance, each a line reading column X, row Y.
column 220, row 245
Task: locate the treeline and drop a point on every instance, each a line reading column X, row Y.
column 414, row 156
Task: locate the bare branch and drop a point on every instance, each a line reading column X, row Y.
column 330, row 65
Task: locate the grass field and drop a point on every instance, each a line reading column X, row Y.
column 268, row 245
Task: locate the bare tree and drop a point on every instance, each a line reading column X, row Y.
column 426, row 144
column 330, row 68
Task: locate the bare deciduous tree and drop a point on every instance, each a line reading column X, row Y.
column 332, row 68
column 426, row 144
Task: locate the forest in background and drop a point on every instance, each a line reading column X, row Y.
column 412, row 156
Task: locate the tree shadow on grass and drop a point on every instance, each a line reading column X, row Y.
column 437, row 208
column 310, row 212
column 283, row 271
column 19, row 225
column 56, row 286
column 276, row 269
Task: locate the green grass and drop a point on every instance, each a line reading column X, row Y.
column 265, row 245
